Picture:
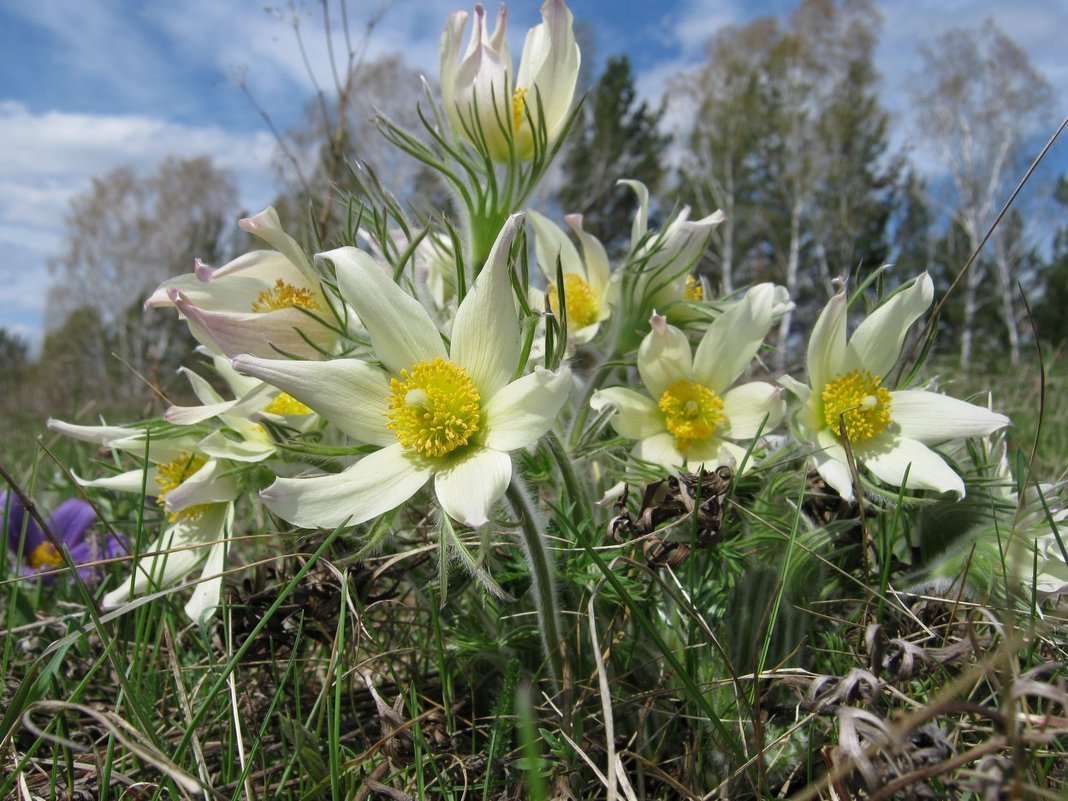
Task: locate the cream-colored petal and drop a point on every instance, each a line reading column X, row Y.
column 594, row 256
column 468, row 488
column 523, row 411
column 827, row 344
column 637, row 416
column 205, row 598
column 835, row 472
column 929, row 417
column 550, row 244
column 485, row 334
column 349, row 393
column 550, row 63
column 268, row 227
column 733, row 339
column 876, row 343
column 130, row 481
column 218, row 445
column 888, row 457
column 659, row 449
column 641, row 216
column 664, row 358
column 717, row 453
column 273, row 335
column 373, row 486
column 752, row 408
column 402, row 333
column 802, row 391
column 209, row 484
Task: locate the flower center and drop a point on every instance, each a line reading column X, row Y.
column 579, row 300
column 435, row 408
column 519, row 107
column 285, row 403
column 691, row 411
column 858, row 399
column 171, row 475
column 694, row 291
column 44, row 556
column 284, row 296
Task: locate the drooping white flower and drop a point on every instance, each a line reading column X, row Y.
column 266, row 302
column 691, row 416
column 451, row 412
column 492, row 107
column 889, row 431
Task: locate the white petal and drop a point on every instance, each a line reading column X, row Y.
column 637, row 416
column 267, row 227
column 373, row 486
column 219, row 446
column 930, row 417
column 209, row 484
column 205, row 597
column 268, row 334
column 130, row 481
column 641, row 216
column 468, row 488
column 549, row 64
column 802, row 391
column 659, row 449
column 827, row 344
column 525, row 409
column 191, row 415
column 550, row 244
column 835, row 472
column 876, row 343
column 733, row 339
column 402, row 333
column 349, row 393
column 594, row 256
column 750, row 408
column 664, row 358
column 204, row 391
column 716, row 452
column 485, row 334
column 888, row 457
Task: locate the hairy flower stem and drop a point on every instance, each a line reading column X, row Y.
column 575, row 493
column 539, row 559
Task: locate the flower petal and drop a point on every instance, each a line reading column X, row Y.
column 209, row 484
column 468, row 488
column 637, row 416
column 929, row 417
column 835, row 472
column 349, row 393
column 374, row 485
column 71, row 520
column 594, row 256
column 205, row 597
column 659, row 449
column 888, row 457
column 876, row 343
column 827, row 344
column 522, row 412
column 733, row 339
column 402, row 333
column 485, row 333
column 752, row 408
column 641, row 216
column 130, row 481
column 550, row 244
column 664, row 357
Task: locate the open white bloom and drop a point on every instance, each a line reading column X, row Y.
column 494, row 109
column 888, row 431
column 692, row 417
column 589, row 292
column 266, row 302
column 197, row 495
column 448, row 412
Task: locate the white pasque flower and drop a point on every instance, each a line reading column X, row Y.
column 494, row 110
column 888, row 431
column 589, row 291
column 691, row 414
column 447, row 412
column 265, row 302
column 196, row 494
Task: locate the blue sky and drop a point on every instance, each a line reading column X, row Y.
column 87, row 85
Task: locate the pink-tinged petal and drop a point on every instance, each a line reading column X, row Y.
column 827, row 344
column 402, row 333
column 468, row 488
column 659, row 449
column 209, row 484
column 523, row 411
column 485, row 334
column 268, row 227
column 271, row 335
column 888, row 458
column 929, row 417
column 664, row 357
column 637, row 416
column 373, row 486
column 752, row 408
column 550, row 64
column 876, row 343
column 733, row 339
column 349, row 393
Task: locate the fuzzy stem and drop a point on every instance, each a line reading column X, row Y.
column 539, row 559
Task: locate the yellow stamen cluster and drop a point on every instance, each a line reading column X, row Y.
column 579, row 299
column 694, row 291
column 44, row 556
column 435, row 408
column 691, row 412
column 171, row 475
column 285, row 403
column 860, row 401
column 285, row 296
column 519, row 107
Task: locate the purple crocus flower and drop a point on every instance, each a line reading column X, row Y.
column 70, row 523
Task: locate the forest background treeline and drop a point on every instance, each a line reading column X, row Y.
column 782, row 127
